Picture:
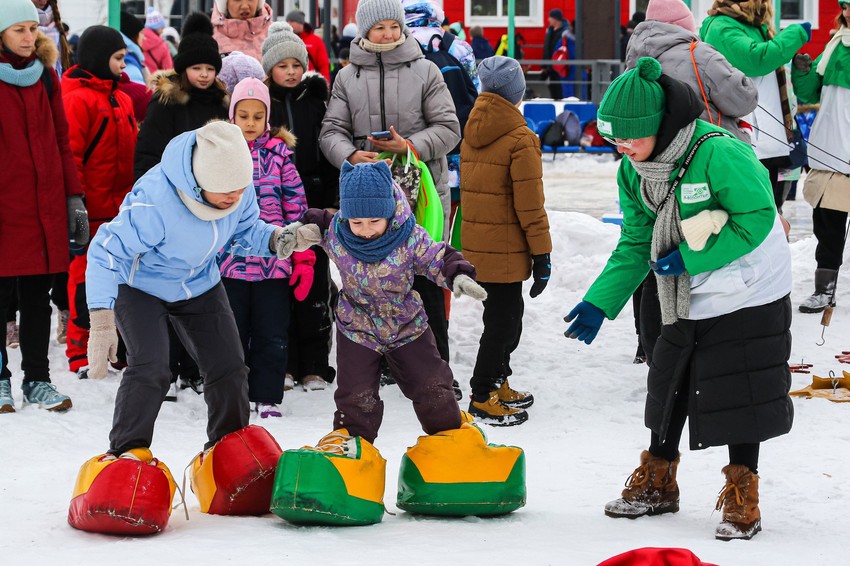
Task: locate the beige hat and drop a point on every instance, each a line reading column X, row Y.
column 221, row 160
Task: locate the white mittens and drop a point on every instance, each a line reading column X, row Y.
column 295, row 237
column 699, row 228
column 466, row 285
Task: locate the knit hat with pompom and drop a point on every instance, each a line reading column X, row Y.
column 283, row 43
column 634, row 103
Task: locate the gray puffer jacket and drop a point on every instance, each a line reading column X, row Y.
column 398, row 88
column 728, row 89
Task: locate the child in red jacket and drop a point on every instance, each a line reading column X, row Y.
column 103, row 134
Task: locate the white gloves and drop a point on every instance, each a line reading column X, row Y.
column 295, row 237
column 103, row 342
column 699, row 228
column 466, row 285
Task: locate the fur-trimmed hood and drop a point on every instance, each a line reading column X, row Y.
column 46, row 50
column 166, row 88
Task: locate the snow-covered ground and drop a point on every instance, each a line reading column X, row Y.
column 582, row 441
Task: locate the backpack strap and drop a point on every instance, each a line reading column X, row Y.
column 687, row 163
column 47, row 80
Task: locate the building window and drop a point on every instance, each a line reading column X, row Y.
column 793, row 11
column 494, row 13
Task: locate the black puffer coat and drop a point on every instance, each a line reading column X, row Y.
column 301, row 110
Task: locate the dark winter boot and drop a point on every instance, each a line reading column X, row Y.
column 640, row 355
column 739, row 500
column 650, row 490
column 824, row 289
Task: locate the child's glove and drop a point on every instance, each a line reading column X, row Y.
column 588, row 320
column 541, row 271
column 671, row 264
column 103, row 342
column 699, row 228
column 302, row 273
column 802, row 62
column 466, row 285
column 78, row 220
column 295, row 237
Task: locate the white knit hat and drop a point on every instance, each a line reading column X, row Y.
column 370, row 12
column 282, row 43
column 221, row 161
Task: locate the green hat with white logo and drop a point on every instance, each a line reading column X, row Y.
column 634, row 103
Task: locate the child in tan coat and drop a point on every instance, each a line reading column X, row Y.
column 505, row 231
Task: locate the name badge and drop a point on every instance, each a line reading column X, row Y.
column 603, row 127
column 695, row 192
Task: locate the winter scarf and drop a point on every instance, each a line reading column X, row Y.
column 381, row 47
column 843, row 36
column 674, row 292
column 757, row 13
column 27, row 76
column 372, row 251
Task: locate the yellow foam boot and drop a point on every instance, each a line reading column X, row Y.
column 835, row 389
column 340, row 481
column 457, row 473
column 130, row 495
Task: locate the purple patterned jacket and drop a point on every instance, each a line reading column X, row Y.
column 280, row 195
column 378, row 307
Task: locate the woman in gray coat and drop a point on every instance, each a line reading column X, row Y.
column 390, row 87
column 667, row 35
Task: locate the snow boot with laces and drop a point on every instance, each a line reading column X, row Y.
column 494, row 412
column 513, row 398
column 824, row 291
column 739, row 500
column 650, row 490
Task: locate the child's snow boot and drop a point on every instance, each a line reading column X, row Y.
column 126, row 495
column 739, row 500
column 7, row 402
column 824, row 291
column 340, row 481
column 45, row 395
column 493, row 411
column 235, row 477
column 650, row 490
column 456, row 473
column 513, row 398
column 62, row 326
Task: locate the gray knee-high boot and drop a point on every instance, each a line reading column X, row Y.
column 824, row 288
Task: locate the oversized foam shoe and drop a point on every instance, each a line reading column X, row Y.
column 130, row 495
column 456, row 473
column 340, row 482
column 235, row 476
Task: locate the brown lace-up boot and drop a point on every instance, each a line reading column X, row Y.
column 739, row 500
column 650, row 490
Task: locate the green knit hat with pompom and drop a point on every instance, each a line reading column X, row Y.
column 634, row 103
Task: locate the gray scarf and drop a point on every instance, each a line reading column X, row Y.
column 674, row 292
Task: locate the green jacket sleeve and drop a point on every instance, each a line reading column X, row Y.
column 629, row 262
column 743, row 191
column 746, row 49
column 807, row 86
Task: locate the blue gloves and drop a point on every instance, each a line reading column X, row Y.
column 671, row 264
column 541, row 271
column 807, row 27
column 588, row 320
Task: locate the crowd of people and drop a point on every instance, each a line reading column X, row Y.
column 256, row 162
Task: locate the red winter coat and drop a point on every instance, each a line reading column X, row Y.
column 37, row 174
column 317, row 53
column 103, row 139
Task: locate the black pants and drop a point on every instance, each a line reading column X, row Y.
column 650, row 316
column 261, row 311
column 205, row 324
column 503, row 312
column 829, row 227
column 773, row 165
column 59, row 291
column 33, row 295
column 311, row 324
column 434, row 300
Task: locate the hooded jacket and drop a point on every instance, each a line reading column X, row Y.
column 172, row 111
column 280, row 195
column 317, row 53
column 247, row 36
column 135, row 60
column 501, row 192
column 103, row 133
column 730, row 93
column 398, row 88
column 38, row 173
column 377, row 307
column 157, row 54
column 301, row 110
column 748, row 49
column 158, row 246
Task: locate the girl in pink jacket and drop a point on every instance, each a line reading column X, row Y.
column 241, row 25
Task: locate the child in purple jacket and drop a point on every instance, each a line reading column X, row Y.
column 378, row 248
column 258, row 287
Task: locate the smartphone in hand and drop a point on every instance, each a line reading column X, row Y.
column 382, row 136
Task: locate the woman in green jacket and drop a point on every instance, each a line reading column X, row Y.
column 698, row 210
column 827, row 186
